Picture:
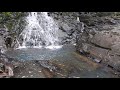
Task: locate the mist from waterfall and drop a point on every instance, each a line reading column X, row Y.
column 40, row 31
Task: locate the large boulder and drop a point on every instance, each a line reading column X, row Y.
column 106, row 39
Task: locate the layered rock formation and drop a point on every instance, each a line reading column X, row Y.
column 101, row 42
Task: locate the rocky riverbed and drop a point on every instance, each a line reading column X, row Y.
column 82, row 67
column 68, row 65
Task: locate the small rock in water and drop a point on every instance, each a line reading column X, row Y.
column 97, row 60
column 39, row 71
column 74, row 44
column 30, row 72
column 10, row 71
column 97, row 76
column 75, row 77
column 23, row 76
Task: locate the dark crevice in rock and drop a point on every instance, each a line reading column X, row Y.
column 113, row 68
column 100, row 46
column 8, row 42
column 110, row 66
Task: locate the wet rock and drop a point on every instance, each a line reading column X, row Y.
column 47, row 65
column 27, row 69
column 68, row 23
column 47, row 73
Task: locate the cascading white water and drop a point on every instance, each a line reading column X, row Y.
column 40, row 31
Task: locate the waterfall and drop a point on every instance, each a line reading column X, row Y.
column 40, row 31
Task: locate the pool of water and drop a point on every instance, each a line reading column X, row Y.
column 70, row 63
column 40, row 54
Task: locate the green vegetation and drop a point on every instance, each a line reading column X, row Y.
column 10, row 19
column 13, row 21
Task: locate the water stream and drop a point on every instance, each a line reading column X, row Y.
column 40, row 31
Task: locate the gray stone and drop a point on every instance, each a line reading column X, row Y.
column 103, row 40
column 2, row 45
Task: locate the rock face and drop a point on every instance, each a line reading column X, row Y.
column 68, row 26
column 2, row 46
column 6, row 68
column 6, row 40
column 107, row 43
column 101, row 45
column 3, row 34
